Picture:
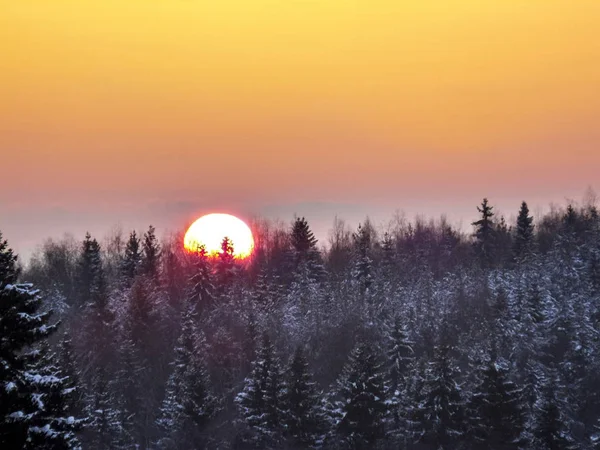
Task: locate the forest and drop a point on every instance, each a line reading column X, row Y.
column 416, row 335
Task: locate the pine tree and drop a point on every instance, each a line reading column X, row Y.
column 90, row 273
column 225, row 268
column 75, row 406
column 104, row 431
column 524, row 237
column 362, row 270
column 150, row 254
column 551, row 431
column 485, row 234
column 301, row 403
column 53, row 426
column 496, row 418
column 8, row 264
column 129, row 393
column 304, row 248
column 189, row 403
column 33, row 392
column 259, row 403
column 201, row 283
column 132, row 258
column 302, row 238
column 359, row 402
column 399, row 353
column 438, row 417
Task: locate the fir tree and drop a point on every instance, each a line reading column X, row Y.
column 201, row 283
column 33, row 392
column 362, row 271
column 438, row 416
column 52, row 425
column 132, row 258
column 304, row 248
column 259, row 403
column 75, row 406
column 225, row 267
column 485, row 234
column 90, row 273
column 189, row 403
column 359, row 402
column 9, row 271
column 302, row 238
column 496, row 418
column 105, row 431
column 150, row 254
column 301, row 403
column 551, row 431
column 524, row 238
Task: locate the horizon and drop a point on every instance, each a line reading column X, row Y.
column 152, row 112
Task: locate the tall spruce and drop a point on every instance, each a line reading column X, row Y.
column 189, row 404
column 301, row 403
column 359, row 404
column 524, row 237
column 495, row 414
column 150, row 253
column 438, row 415
column 132, row 258
column 362, row 272
column 485, row 234
column 34, row 393
column 260, row 402
column 9, row 272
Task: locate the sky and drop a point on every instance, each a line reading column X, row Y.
column 156, row 111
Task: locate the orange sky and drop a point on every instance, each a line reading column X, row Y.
column 144, row 111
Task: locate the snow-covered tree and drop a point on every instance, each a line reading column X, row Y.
column 34, row 392
column 189, row 403
column 132, row 258
column 260, row 402
column 495, row 414
column 438, row 416
column 359, row 401
column 303, row 415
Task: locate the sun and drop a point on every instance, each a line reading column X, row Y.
column 210, row 230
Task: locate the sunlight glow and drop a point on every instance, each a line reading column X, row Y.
column 210, row 230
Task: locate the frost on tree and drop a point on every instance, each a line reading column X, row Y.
column 34, row 392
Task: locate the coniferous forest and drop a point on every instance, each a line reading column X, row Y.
column 416, row 336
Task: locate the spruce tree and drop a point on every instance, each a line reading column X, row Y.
column 551, row 431
column 438, row 417
column 359, row 402
column 301, row 404
column 201, row 281
column 225, row 270
column 304, row 249
column 33, row 391
column 75, row 406
column 495, row 414
column 259, row 403
column 105, row 430
column 9, row 271
column 524, row 238
column 362, row 270
column 53, row 425
column 132, row 258
column 90, row 273
column 150, row 253
column 485, row 234
column 189, row 403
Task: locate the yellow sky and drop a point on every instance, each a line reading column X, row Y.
column 289, row 100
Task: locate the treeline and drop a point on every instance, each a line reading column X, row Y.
column 421, row 337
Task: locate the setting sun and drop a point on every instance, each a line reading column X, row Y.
column 210, row 230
